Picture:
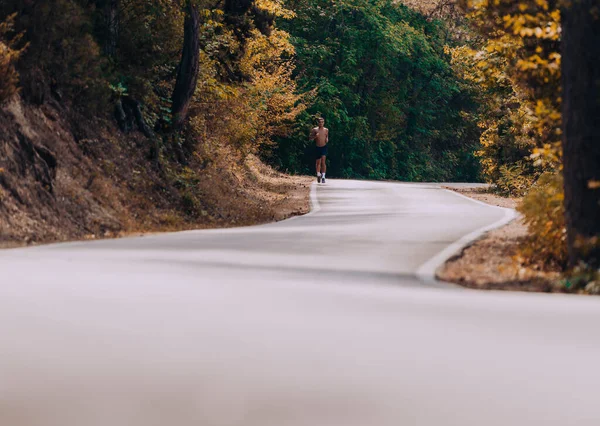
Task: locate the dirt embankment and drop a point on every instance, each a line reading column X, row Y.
column 493, row 263
column 76, row 178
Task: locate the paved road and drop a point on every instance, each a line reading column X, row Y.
column 331, row 319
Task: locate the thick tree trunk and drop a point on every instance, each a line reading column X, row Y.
column 110, row 25
column 187, row 75
column 581, row 129
column 112, row 20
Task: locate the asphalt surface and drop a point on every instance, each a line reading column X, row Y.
column 331, row 319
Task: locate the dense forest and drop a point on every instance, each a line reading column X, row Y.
column 385, row 84
column 418, row 91
column 379, row 72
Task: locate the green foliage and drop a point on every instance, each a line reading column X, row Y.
column 118, row 90
column 543, row 211
column 386, row 89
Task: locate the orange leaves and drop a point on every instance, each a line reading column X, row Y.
column 547, row 156
column 272, row 95
column 539, row 25
column 266, row 51
column 249, row 116
column 275, row 7
column 543, row 211
column 9, row 78
column 526, row 33
column 594, row 184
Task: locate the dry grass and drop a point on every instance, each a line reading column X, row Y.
column 105, row 187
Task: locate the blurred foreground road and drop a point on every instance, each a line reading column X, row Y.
column 331, row 319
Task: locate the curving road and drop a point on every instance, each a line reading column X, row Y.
column 331, row 319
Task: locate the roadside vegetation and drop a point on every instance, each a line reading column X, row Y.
column 524, row 63
column 132, row 116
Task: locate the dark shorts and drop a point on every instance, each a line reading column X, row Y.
column 320, row 151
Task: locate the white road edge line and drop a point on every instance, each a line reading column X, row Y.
column 315, row 207
column 428, row 271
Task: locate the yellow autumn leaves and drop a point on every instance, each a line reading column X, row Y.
column 250, row 115
column 275, row 8
column 9, row 78
column 272, row 96
column 522, row 47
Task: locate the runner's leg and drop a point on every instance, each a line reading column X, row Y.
column 318, row 167
column 323, row 168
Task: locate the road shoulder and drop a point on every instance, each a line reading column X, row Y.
column 256, row 194
column 492, row 261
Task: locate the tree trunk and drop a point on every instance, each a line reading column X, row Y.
column 110, row 26
column 187, row 75
column 112, row 18
column 581, row 129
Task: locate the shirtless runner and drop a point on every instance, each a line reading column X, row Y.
column 320, row 135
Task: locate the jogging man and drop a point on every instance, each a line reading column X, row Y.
column 320, row 135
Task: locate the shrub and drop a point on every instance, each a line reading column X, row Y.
column 62, row 55
column 543, row 211
column 514, row 180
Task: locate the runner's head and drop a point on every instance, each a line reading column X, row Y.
column 321, row 121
